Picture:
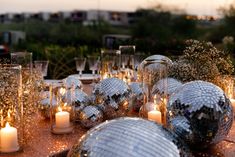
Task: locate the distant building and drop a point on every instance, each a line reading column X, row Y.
column 78, row 16
column 12, row 37
column 88, row 17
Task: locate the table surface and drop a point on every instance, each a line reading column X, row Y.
column 44, row 143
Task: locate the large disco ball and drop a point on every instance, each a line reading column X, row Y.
column 78, row 99
column 114, row 94
column 200, row 113
column 133, row 137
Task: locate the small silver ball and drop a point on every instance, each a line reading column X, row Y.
column 114, row 94
column 90, row 116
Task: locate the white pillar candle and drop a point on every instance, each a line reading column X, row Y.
column 9, row 140
column 155, row 116
column 62, row 119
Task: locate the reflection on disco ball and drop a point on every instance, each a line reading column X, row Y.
column 200, row 113
column 168, row 85
column 72, row 82
column 78, row 99
column 137, row 98
column 44, row 107
column 114, row 94
column 128, row 137
column 90, row 116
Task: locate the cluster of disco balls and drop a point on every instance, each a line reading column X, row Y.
column 198, row 114
column 110, row 99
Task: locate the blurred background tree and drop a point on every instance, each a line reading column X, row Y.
column 155, row 31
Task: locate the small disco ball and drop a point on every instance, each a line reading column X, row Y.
column 44, row 107
column 90, row 116
column 137, row 98
column 72, row 81
column 200, row 113
column 128, row 137
column 168, row 85
column 114, row 94
column 78, row 99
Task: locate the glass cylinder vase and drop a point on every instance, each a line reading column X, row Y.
column 61, row 110
column 110, row 63
column 29, row 99
column 154, row 108
column 11, row 109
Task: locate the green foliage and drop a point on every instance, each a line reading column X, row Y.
column 162, row 30
column 202, row 61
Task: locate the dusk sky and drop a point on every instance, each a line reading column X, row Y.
column 200, row 7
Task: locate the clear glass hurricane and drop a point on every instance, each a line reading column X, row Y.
column 93, row 62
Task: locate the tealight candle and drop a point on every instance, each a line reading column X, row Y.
column 62, row 119
column 9, row 139
column 155, row 115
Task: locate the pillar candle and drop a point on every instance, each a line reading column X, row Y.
column 62, row 119
column 155, row 116
column 9, row 140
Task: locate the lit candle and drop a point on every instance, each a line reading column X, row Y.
column 155, row 115
column 62, row 91
column 9, row 141
column 62, row 119
column 105, row 76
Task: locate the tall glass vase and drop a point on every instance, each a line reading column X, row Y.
column 11, row 109
column 110, row 63
column 28, row 88
column 154, row 108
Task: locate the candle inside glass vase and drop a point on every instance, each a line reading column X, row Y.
column 155, row 115
column 62, row 119
column 9, row 139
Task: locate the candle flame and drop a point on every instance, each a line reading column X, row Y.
column 8, row 114
column 105, row 76
column 62, row 91
column 59, row 108
column 65, row 104
column 8, row 125
column 155, row 108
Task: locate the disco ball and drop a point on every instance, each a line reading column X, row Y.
column 137, row 99
column 200, row 113
column 78, row 99
column 114, row 94
column 72, row 81
column 134, row 137
column 44, row 107
column 90, row 116
column 168, row 85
